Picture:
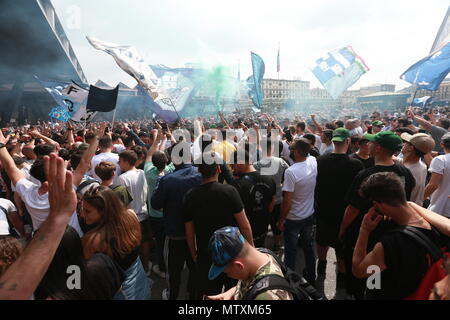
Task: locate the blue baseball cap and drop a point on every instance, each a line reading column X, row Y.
column 224, row 245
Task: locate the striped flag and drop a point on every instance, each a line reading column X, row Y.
column 339, row 69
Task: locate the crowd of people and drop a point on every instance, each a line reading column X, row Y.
column 91, row 211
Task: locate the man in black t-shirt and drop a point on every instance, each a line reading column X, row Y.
column 257, row 193
column 402, row 260
column 382, row 147
column 335, row 174
column 206, row 208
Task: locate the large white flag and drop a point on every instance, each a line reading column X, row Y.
column 130, row 61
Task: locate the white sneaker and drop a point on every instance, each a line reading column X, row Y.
column 158, row 272
column 165, row 294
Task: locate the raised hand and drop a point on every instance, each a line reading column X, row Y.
column 61, row 195
column 3, row 139
column 371, row 220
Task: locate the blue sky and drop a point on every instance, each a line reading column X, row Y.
column 389, row 35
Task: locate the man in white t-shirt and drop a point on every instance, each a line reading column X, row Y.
column 414, row 148
column 439, row 185
column 297, row 208
column 33, row 195
column 134, row 180
column 106, row 154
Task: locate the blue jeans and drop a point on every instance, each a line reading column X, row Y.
column 292, row 230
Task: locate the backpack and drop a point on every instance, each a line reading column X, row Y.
column 435, row 271
column 291, row 282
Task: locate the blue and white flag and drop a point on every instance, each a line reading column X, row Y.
column 423, row 101
column 60, row 114
column 129, row 60
column 338, row 70
column 71, row 97
column 429, row 72
column 254, row 82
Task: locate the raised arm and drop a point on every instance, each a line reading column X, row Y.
column 8, row 163
column 425, row 124
column 436, row 220
column 69, row 132
column 22, row 278
column 225, row 123
column 316, row 124
column 47, row 140
column 85, row 162
column 154, row 146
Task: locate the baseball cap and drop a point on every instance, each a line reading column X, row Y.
column 446, row 137
column 420, row 141
column 387, row 139
column 377, row 123
column 340, row 134
column 4, row 225
column 224, row 245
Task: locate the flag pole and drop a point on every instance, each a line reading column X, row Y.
column 173, row 106
column 113, row 119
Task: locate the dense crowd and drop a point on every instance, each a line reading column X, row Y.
column 91, row 211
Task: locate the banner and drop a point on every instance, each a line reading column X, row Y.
column 254, row 83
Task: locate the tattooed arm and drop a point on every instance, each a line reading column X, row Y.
column 24, row 275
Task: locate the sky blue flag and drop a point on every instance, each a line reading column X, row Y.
column 429, row 72
column 338, row 70
column 60, row 114
column 254, row 83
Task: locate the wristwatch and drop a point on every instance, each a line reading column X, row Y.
column 2, row 145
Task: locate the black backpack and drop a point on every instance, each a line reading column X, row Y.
column 291, row 282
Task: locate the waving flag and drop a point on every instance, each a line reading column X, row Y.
column 339, row 69
column 130, row 61
column 423, row 101
column 71, row 97
column 254, row 82
column 60, row 114
column 102, row 100
column 429, row 72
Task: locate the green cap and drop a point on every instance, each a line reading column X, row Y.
column 387, row 139
column 377, row 123
column 340, row 134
